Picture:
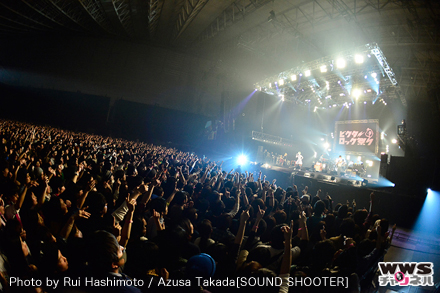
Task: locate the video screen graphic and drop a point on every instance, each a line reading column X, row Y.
column 357, row 136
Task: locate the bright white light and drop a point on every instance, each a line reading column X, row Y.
column 293, row 77
column 359, row 158
column 323, row 68
column 373, row 75
column 369, row 163
column 315, row 154
column 357, row 93
column 322, row 139
column 281, row 82
column 242, row 160
column 358, row 58
column 340, row 63
column 326, row 144
column 394, row 140
column 382, row 135
column 270, row 84
column 334, row 105
column 307, row 72
column 348, row 157
column 329, row 150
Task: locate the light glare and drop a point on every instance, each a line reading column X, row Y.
column 359, row 58
column 242, row 160
column 340, row 63
column 356, row 93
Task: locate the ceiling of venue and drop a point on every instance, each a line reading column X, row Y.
column 282, row 33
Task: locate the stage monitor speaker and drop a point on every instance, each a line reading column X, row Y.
column 320, row 177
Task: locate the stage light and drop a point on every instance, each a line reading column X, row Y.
column 326, row 144
column 374, row 75
column 394, row 140
column 358, row 58
column 293, row 77
column 323, row 68
column 382, row 135
column 369, row 163
column 356, row 93
column 281, row 82
column 242, row 160
column 270, row 85
column 365, row 77
column 322, row 139
column 340, row 63
column 307, row 73
column 365, row 102
column 334, row 105
column 359, row 158
column 348, row 157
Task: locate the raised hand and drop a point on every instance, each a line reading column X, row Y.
column 245, row 215
column 287, row 231
column 81, row 213
column 260, row 214
column 131, row 203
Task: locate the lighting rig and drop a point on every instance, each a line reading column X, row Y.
column 360, row 75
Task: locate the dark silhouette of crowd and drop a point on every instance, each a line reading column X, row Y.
column 136, row 217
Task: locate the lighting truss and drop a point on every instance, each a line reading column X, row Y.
column 264, row 137
column 324, row 89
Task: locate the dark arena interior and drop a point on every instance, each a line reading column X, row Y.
column 215, row 145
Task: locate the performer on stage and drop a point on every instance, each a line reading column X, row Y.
column 340, row 164
column 299, row 159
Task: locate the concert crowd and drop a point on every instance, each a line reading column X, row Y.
column 77, row 207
